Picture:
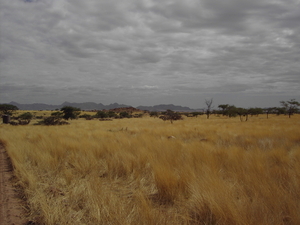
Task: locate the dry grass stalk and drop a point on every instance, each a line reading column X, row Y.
column 216, row 171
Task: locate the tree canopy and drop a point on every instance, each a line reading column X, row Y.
column 291, row 106
column 70, row 112
column 8, row 109
column 170, row 115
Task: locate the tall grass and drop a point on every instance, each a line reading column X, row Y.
column 216, row 171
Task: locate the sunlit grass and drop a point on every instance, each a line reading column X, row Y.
column 127, row 171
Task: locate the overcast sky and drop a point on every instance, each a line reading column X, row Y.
column 148, row 52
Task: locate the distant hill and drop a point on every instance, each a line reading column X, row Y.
column 100, row 106
column 164, row 107
column 83, row 106
column 34, row 106
column 125, row 109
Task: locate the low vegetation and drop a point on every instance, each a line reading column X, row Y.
column 129, row 171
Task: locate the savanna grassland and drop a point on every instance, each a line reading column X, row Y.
column 127, row 171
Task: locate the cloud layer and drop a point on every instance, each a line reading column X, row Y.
column 145, row 52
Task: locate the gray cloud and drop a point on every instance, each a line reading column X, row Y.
column 149, row 51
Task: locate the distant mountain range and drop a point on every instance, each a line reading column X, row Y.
column 100, row 106
column 164, row 107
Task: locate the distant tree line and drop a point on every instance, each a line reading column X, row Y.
column 60, row 117
column 289, row 108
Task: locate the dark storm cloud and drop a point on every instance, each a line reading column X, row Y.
column 140, row 50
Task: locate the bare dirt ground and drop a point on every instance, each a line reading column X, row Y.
column 11, row 205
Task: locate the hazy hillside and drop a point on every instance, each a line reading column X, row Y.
column 100, row 106
column 164, row 107
column 83, row 106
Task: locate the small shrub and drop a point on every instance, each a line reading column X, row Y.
column 101, row 114
column 57, row 114
column 24, row 122
column 23, row 119
column 52, row 120
column 125, row 114
column 111, row 114
column 154, row 114
column 14, row 123
column 26, row 116
column 86, row 116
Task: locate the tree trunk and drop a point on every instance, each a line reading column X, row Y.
column 207, row 115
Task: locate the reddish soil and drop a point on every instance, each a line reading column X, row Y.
column 11, row 205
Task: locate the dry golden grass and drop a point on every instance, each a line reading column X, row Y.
column 216, row 171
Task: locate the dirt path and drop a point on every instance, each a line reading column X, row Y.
column 11, row 211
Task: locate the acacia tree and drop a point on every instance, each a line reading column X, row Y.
column 255, row 111
column 229, row 110
column 280, row 111
column 242, row 113
column 269, row 110
column 291, row 106
column 224, row 108
column 209, row 107
column 170, row 115
column 70, row 112
column 8, row 109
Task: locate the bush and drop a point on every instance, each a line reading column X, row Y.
column 101, row 114
column 125, row 115
column 86, row 116
column 52, row 120
column 154, row 114
column 111, row 114
column 140, row 115
column 26, row 116
column 57, row 114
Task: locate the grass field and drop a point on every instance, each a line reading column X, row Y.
column 127, row 171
